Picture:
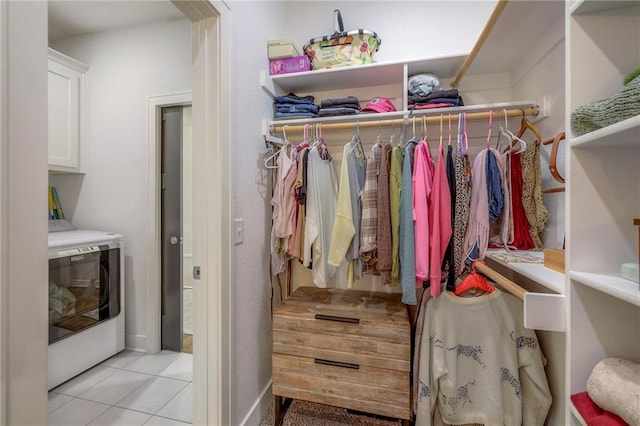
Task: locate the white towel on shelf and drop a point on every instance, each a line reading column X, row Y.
column 614, row 384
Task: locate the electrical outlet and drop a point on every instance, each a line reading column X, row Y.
column 238, row 230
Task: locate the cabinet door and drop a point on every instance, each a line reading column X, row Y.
column 65, row 91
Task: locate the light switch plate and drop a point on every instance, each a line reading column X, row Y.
column 238, row 231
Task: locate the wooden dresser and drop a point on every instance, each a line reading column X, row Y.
column 345, row 348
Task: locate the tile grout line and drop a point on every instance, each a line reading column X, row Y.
column 186, row 383
column 172, row 398
column 90, row 387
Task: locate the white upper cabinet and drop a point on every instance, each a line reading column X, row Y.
column 66, row 114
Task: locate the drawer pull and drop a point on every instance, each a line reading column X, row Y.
column 339, row 319
column 336, row 363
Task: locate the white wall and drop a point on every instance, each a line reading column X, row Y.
column 540, row 76
column 125, row 68
column 408, row 29
column 253, row 23
column 23, row 231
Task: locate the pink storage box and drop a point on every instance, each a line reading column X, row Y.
column 289, row 65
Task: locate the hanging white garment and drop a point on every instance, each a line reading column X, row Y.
column 322, row 197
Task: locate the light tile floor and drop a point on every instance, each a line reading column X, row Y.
column 128, row 389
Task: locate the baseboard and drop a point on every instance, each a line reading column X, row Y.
column 135, row 342
column 259, row 408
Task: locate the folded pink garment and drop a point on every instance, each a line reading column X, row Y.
column 594, row 415
column 430, row 106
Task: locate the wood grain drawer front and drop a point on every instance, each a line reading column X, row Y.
column 344, row 325
column 374, row 390
column 312, row 321
column 349, row 348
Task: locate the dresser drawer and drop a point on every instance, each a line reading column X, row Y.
column 379, row 316
column 369, row 389
column 345, row 348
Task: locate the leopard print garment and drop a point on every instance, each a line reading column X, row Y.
column 536, row 212
column 462, row 202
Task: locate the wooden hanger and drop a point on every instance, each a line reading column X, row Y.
column 474, row 281
column 552, row 161
column 527, row 125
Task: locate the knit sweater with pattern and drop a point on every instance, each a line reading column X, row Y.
column 478, row 364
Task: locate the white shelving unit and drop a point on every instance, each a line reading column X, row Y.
column 552, row 280
column 603, row 196
column 375, row 74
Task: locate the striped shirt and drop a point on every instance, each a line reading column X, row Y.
column 369, row 223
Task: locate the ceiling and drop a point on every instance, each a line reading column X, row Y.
column 73, row 18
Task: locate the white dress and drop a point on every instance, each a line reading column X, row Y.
column 322, row 197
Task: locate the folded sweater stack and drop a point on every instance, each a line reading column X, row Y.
column 334, row 107
column 293, row 106
column 436, row 99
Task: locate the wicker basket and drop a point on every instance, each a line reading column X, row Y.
column 342, row 48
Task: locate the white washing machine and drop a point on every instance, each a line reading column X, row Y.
column 86, row 301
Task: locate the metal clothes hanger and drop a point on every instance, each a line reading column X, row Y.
column 356, row 142
column 508, row 134
column 277, row 152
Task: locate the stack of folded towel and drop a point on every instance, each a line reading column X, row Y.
column 339, row 106
column 293, row 106
column 436, row 99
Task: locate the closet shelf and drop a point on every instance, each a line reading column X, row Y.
column 621, row 134
column 612, row 285
column 537, row 272
column 376, row 74
column 475, row 112
column 583, row 7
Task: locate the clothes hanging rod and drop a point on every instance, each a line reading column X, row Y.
column 500, row 279
column 493, row 19
column 498, row 114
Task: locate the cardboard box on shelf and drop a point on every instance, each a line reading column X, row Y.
column 282, row 48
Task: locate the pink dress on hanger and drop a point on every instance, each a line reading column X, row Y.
column 439, row 221
column 422, row 185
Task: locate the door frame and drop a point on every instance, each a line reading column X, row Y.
column 4, row 238
column 211, row 64
column 154, row 264
column 211, row 102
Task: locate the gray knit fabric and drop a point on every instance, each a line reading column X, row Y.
column 624, row 104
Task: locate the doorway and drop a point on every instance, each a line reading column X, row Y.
column 176, row 225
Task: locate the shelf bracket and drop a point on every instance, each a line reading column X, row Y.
column 267, row 84
column 269, row 139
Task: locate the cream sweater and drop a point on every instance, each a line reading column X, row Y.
column 479, row 364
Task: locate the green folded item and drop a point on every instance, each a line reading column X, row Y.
column 625, row 103
column 633, row 74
